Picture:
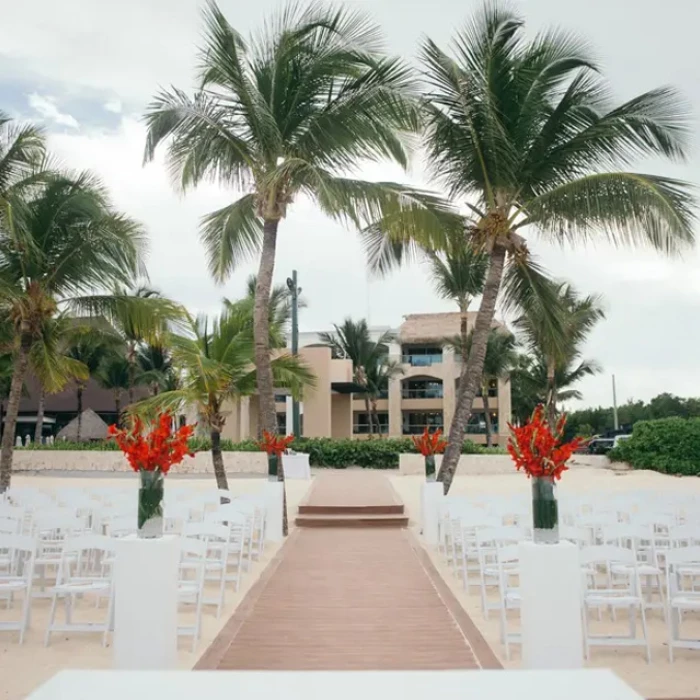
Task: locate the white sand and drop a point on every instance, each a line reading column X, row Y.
column 23, row 668
column 656, row 680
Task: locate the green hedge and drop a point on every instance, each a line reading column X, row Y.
column 323, row 452
column 668, row 445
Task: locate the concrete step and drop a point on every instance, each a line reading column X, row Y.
column 351, row 520
column 384, row 509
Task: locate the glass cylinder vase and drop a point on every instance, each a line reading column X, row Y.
column 430, row 467
column 272, row 464
column 545, row 511
column 150, row 515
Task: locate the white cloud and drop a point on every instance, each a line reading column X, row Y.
column 46, row 107
column 113, row 106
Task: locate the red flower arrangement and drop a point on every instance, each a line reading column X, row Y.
column 156, row 450
column 274, row 445
column 539, row 450
column 428, row 444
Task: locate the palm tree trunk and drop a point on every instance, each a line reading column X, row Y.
column 370, row 420
column 463, row 306
column 551, row 404
column 487, row 414
column 261, row 329
column 8, row 436
column 39, row 429
column 2, row 411
column 132, row 377
column 472, row 373
column 80, row 412
column 375, row 416
column 118, row 406
column 218, row 459
column 280, row 477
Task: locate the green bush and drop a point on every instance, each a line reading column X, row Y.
column 668, row 445
column 323, row 452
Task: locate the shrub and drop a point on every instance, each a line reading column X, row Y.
column 668, row 445
column 323, row 452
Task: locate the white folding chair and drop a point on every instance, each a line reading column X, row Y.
column 682, row 566
column 488, row 541
column 508, row 561
column 190, row 587
column 20, row 550
column 81, row 573
column 625, row 592
column 237, row 524
column 216, row 538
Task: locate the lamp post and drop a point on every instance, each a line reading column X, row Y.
column 295, row 291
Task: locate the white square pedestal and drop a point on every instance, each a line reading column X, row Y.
column 274, row 495
column 550, row 613
column 432, row 493
column 145, row 604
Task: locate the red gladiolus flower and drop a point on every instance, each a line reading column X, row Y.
column 428, row 444
column 158, row 449
column 274, row 445
column 538, row 450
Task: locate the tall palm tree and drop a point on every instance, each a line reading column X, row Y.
column 280, row 304
column 289, row 113
column 352, row 340
column 61, row 242
column 521, row 131
column 154, row 366
column 379, row 372
column 558, row 350
column 22, row 156
column 114, row 374
column 499, row 360
column 458, row 274
column 217, row 358
column 91, row 347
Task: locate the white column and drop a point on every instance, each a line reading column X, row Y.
column 550, row 612
column 290, row 418
column 274, row 495
column 145, row 611
column 431, row 496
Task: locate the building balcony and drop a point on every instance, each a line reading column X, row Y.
column 422, row 360
column 363, row 429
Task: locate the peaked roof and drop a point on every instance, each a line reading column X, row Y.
column 92, row 427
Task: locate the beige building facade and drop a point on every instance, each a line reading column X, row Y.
column 422, row 396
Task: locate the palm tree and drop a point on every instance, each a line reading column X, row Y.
column 499, row 361
column 557, row 350
column 458, row 274
column 280, row 304
column 60, row 243
column 22, row 157
column 352, row 340
column 91, row 347
column 279, row 117
column 217, row 359
column 51, row 363
column 380, row 371
column 114, row 374
column 154, row 366
column 521, row 132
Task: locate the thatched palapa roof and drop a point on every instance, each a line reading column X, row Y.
column 92, row 427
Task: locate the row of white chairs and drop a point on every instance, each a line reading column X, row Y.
column 66, row 553
column 630, row 558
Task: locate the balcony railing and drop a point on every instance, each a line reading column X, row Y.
column 421, row 394
column 422, row 360
column 363, row 429
column 418, row 429
column 480, row 429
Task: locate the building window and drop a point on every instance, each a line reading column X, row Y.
column 421, row 355
column 421, row 389
column 282, row 423
column 361, row 423
column 415, row 422
column 280, row 398
column 477, row 423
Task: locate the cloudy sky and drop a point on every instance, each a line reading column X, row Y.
column 86, row 69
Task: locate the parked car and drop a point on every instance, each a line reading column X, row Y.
column 600, row 446
column 621, row 438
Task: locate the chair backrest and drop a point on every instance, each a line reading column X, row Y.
column 508, row 554
column 227, row 514
column 577, row 535
column 606, row 554
column 83, row 543
column 18, row 543
column 51, row 523
column 206, row 530
column 122, row 525
column 690, row 533
column 683, row 555
column 10, row 526
column 502, row 534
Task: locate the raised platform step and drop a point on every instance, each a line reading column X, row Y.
column 350, row 520
column 374, row 509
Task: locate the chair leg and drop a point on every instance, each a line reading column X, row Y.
column 645, row 631
column 52, row 617
column 671, row 624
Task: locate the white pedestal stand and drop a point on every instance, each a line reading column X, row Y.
column 145, row 610
column 274, row 498
column 550, row 613
column 432, row 493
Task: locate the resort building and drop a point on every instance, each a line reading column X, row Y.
column 423, row 396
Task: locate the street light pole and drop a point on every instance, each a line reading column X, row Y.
column 295, row 290
column 616, row 423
